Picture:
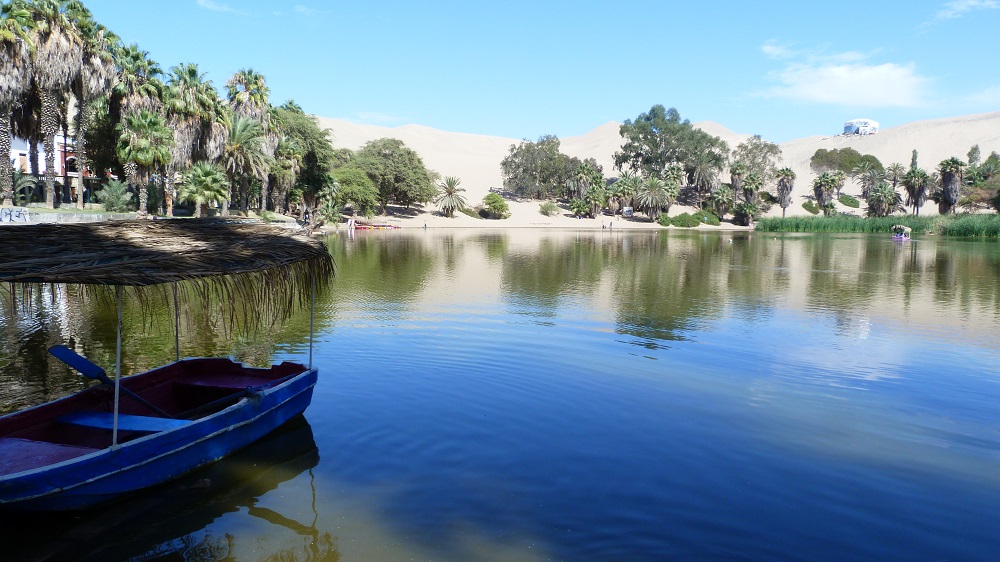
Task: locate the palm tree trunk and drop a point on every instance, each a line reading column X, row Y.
column 81, row 151
column 143, row 193
column 6, row 169
column 50, row 126
column 168, row 190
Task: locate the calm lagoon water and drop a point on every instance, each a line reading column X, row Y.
column 537, row 395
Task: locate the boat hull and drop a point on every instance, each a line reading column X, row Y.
column 109, row 473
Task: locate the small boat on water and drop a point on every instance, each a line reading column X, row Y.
column 128, row 434
column 900, row 233
column 353, row 224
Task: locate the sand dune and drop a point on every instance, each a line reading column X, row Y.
column 476, row 158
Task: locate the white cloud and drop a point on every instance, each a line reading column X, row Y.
column 306, row 10
column 988, row 97
column 775, row 50
column 845, row 79
column 958, row 8
column 219, row 7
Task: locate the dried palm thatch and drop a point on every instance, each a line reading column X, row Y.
column 254, row 267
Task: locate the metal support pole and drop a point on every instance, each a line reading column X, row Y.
column 118, row 369
column 312, row 315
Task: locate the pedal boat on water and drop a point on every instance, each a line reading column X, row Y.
column 127, row 434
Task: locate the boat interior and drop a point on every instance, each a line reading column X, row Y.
column 165, row 398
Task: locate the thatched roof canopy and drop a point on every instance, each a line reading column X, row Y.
column 141, row 253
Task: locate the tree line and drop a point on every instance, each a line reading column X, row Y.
column 171, row 135
column 664, row 159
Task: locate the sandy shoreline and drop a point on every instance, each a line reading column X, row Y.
column 523, row 215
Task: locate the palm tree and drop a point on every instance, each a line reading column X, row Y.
column 614, row 195
column 57, row 59
column 883, row 200
column 144, row 141
column 705, row 170
column 287, row 163
column 651, row 197
column 839, row 179
column 629, row 183
column 203, row 184
column 894, row 173
column 721, row 200
column 15, row 81
column 449, row 199
column 244, row 158
column 823, row 188
column 138, row 85
column 786, row 181
column 249, row 96
column 737, row 171
column 190, row 101
column 97, row 77
column 916, row 182
column 951, row 184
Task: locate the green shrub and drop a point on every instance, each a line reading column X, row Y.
column 684, row 220
column 664, row 220
column 548, row 208
column 848, row 201
column 115, row 197
column 474, row 213
column 708, row 217
column 496, row 206
column 810, row 207
column 766, row 197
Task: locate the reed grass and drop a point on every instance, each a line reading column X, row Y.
column 841, row 223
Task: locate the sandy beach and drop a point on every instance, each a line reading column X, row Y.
column 475, row 159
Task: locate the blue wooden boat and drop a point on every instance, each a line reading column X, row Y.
column 132, row 433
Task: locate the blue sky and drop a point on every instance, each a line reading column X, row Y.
column 523, row 69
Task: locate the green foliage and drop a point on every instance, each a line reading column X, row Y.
column 767, row 197
column 841, row 159
column 844, row 223
column 317, row 155
column 548, row 208
column 883, row 200
column 397, row 171
column 470, row 212
column 496, row 206
column 974, row 225
column 449, row 199
column 683, row 220
column 660, row 137
column 810, row 207
column 848, row 201
column 202, row 185
column 115, row 197
column 744, row 213
column 540, row 171
column 759, row 156
column 721, row 200
column 579, row 207
column 356, row 190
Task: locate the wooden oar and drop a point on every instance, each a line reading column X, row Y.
column 95, row 372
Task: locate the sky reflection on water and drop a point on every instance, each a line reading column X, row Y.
column 648, row 396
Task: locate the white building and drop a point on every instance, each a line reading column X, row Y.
column 861, row 127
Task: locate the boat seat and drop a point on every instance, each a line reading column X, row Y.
column 126, row 422
column 17, row 454
column 231, row 383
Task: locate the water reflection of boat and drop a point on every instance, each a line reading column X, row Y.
column 93, row 447
column 170, row 519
